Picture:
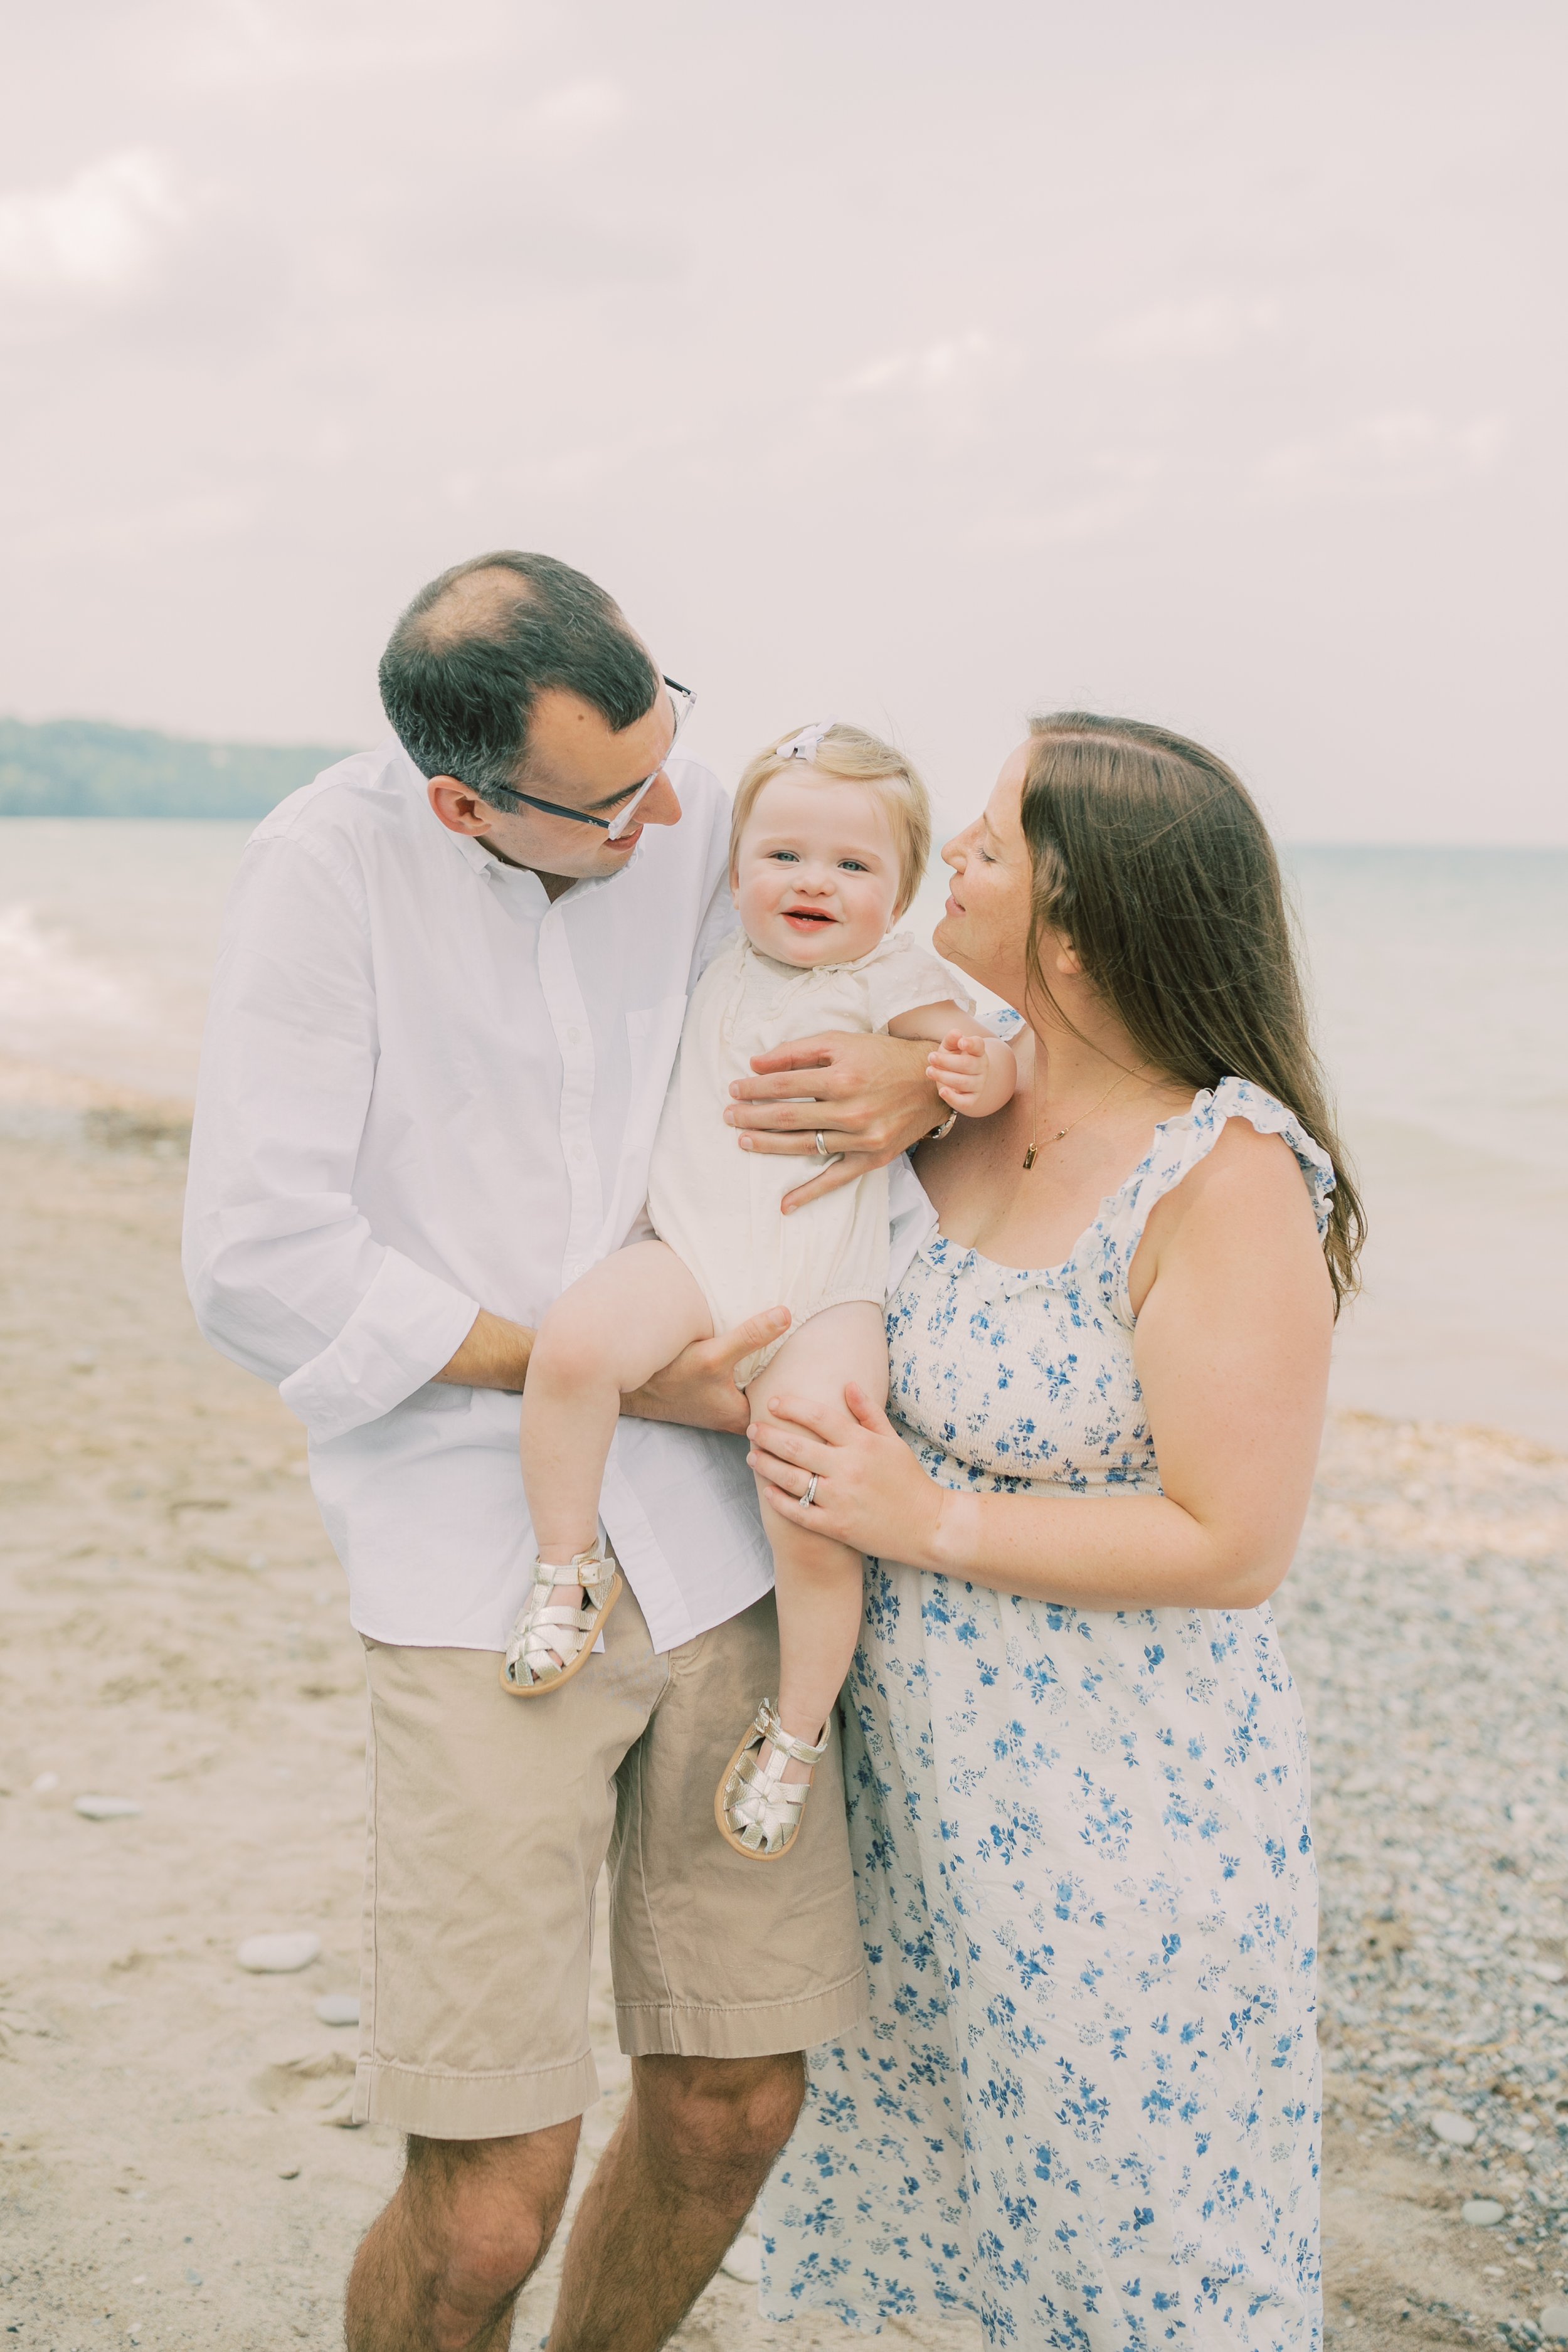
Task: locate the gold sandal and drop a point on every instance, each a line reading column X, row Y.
column 759, row 1812
column 551, row 1641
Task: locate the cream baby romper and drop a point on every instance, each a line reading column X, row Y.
column 716, row 1206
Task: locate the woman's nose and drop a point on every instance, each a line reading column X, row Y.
column 953, row 851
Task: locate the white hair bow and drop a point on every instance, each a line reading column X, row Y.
column 806, row 744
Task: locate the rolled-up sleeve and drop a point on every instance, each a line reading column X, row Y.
column 284, row 1272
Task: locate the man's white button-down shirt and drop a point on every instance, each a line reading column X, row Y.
column 425, row 1089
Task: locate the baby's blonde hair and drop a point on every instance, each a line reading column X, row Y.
column 855, row 757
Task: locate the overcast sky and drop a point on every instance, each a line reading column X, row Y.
column 924, row 364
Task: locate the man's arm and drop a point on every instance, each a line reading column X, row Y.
column 870, row 1097
column 284, row 1272
column 494, row 1356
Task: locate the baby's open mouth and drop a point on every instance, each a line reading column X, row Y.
column 806, row 915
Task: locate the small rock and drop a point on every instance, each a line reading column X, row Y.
column 278, row 1956
column 1548, row 1971
column 289, row 2172
column 338, row 2008
column 1555, row 2322
column 1482, row 2212
column 1458, row 2131
column 193, row 2278
column 106, row 1809
column 43, row 1783
column 744, row 2261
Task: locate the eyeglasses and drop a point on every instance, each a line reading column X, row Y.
column 682, row 699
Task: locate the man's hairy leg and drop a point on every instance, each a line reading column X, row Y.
column 441, row 2267
column 699, row 2139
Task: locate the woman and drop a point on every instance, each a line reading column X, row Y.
column 1086, row 2104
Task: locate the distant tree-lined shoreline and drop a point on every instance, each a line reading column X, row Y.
column 85, row 767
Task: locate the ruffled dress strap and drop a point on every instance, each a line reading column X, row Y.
column 1179, row 1143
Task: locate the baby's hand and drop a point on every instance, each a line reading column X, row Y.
column 957, row 1069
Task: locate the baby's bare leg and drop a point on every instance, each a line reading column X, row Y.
column 624, row 1322
column 818, row 1580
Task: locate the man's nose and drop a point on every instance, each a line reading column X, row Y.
column 662, row 806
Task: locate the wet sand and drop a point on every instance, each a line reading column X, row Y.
column 175, row 2165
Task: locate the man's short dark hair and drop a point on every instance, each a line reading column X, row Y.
column 463, row 664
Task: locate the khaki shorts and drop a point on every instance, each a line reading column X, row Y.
column 489, row 1817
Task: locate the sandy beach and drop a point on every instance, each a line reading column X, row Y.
column 174, row 2166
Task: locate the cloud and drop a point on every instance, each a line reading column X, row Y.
column 98, row 232
column 1402, row 452
column 573, row 119
column 1211, row 326
column 934, row 368
column 1117, row 486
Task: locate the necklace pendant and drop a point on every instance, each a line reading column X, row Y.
column 1030, row 1156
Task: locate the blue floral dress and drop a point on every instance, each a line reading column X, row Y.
column 1086, row 2105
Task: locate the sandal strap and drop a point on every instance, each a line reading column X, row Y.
column 594, row 1570
column 550, row 1635
column 771, row 1730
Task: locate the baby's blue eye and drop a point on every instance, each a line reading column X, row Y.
column 791, row 856
column 854, row 865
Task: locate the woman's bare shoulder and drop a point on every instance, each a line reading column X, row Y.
column 1245, row 1172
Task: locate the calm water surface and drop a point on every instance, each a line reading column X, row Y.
column 1441, row 985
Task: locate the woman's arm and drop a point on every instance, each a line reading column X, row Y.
column 1235, row 1316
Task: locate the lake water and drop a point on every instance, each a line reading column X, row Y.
column 1441, row 981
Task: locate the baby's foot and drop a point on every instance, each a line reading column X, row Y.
column 762, row 1798
column 559, row 1621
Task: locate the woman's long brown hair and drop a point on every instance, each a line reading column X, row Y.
column 1151, row 856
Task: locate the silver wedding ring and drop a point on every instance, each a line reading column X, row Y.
column 822, row 1150
column 809, row 1496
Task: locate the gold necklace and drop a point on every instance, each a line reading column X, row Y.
column 1034, row 1150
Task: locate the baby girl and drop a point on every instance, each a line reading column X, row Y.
column 828, row 845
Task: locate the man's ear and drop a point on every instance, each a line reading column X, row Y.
column 456, row 807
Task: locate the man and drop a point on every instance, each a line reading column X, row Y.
column 445, row 1012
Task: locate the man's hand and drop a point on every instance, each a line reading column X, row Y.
column 869, row 1097
column 699, row 1389
column 494, row 1355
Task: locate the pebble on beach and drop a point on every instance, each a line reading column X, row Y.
column 1555, row 2322
column 1482, row 2212
column 338, row 2008
column 106, row 1809
column 278, row 1956
column 1458, row 2131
